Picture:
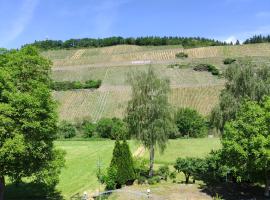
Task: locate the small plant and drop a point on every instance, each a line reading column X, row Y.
column 229, row 61
column 181, row 55
column 217, row 197
column 141, row 180
column 207, row 67
column 179, row 66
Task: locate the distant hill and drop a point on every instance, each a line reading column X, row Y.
column 196, row 89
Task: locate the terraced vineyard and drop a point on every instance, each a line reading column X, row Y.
column 199, row 90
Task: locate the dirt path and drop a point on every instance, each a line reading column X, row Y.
column 78, row 54
column 139, row 152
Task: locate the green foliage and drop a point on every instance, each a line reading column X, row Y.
column 190, row 123
column 179, row 66
column 207, row 67
column 228, row 61
column 104, row 127
column 123, row 163
column 148, row 112
column 164, row 172
column 244, row 80
column 247, row 139
column 73, row 85
column 89, row 129
column 181, row 55
column 189, row 166
column 186, row 42
column 28, row 118
column 110, row 178
column 66, row 130
column 258, row 39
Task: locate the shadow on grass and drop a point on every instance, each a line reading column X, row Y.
column 31, row 191
column 232, row 191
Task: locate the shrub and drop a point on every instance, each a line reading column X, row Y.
column 110, row 178
column 181, row 55
column 141, row 180
column 119, row 129
column 172, row 175
column 66, row 130
column 104, row 128
column 151, row 181
column 179, row 66
column 89, row 129
column 164, row 172
column 229, row 61
column 71, row 85
column 190, row 123
column 123, row 163
column 207, row 67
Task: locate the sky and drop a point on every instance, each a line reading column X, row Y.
column 24, row 21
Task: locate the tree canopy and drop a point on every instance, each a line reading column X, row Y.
column 148, row 113
column 111, row 41
column 245, row 80
column 28, row 119
column 246, row 142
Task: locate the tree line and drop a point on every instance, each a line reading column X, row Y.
column 186, row 42
column 258, row 39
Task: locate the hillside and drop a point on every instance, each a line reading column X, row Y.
column 199, row 90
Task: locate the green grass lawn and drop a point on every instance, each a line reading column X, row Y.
column 197, row 147
column 82, row 156
column 81, row 164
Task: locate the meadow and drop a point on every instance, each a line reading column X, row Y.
column 82, row 158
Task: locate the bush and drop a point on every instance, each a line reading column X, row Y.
column 208, row 68
column 89, row 129
column 190, row 123
column 172, row 175
column 110, row 178
column 71, row 85
column 104, row 128
column 141, row 180
column 151, row 181
column 164, row 172
column 112, row 128
column 229, row 61
column 122, row 161
column 66, row 130
column 181, row 55
column 179, row 66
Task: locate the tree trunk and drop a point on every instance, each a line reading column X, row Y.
column 187, row 178
column 267, row 185
column 152, row 155
column 2, row 187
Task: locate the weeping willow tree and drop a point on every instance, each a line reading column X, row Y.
column 245, row 80
column 148, row 112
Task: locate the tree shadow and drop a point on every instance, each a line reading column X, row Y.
column 232, row 191
column 31, row 191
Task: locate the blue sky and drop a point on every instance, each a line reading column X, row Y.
column 23, row 21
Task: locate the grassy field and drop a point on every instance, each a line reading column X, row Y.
column 186, row 148
column 81, row 164
column 82, row 156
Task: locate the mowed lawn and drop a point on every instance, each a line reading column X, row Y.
column 196, row 147
column 82, row 156
column 81, row 164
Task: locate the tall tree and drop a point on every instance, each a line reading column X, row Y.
column 244, row 81
column 247, row 138
column 27, row 119
column 148, row 112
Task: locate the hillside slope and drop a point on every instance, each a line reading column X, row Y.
column 199, row 90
